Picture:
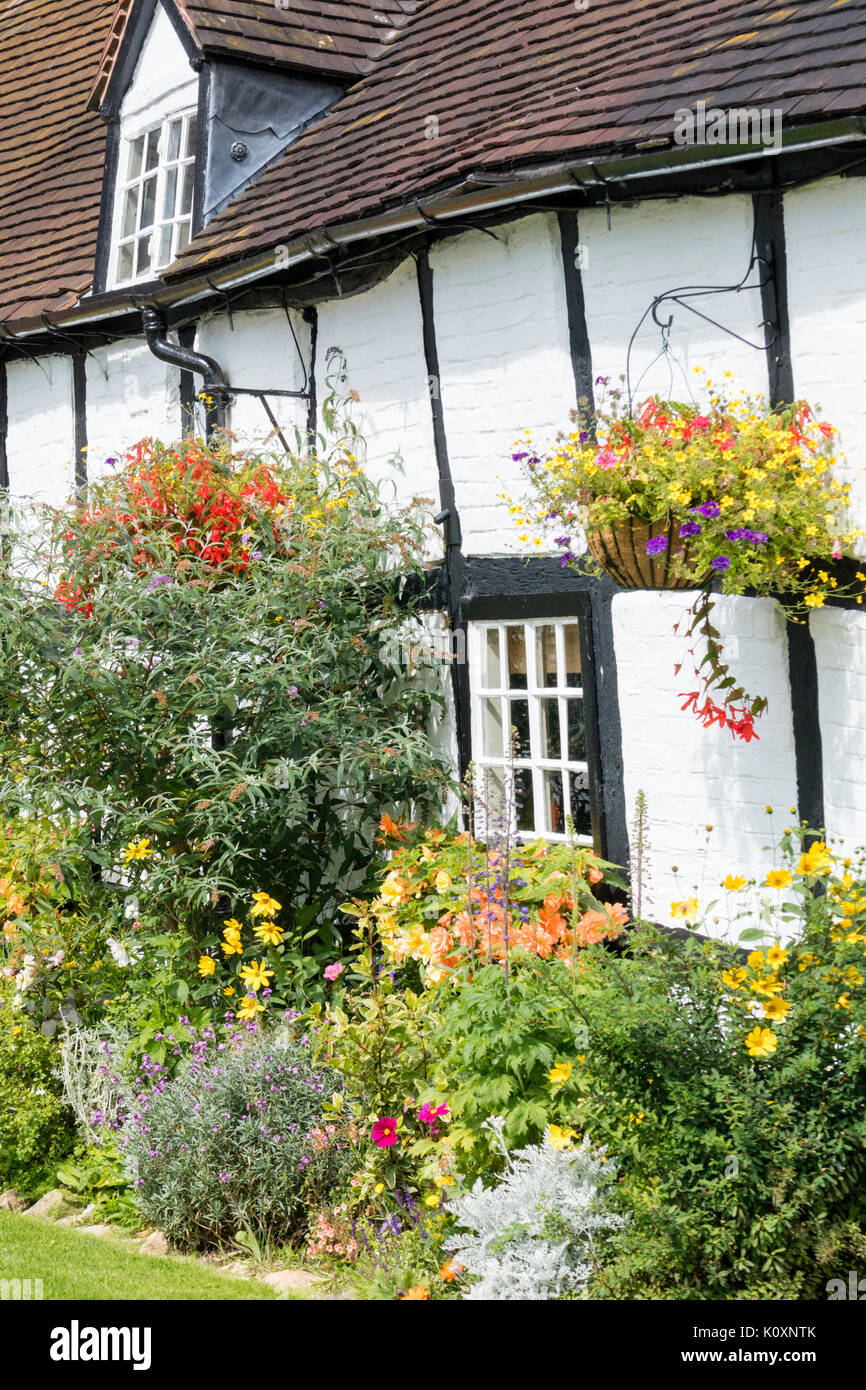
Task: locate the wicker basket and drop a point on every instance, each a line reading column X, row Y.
column 621, row 552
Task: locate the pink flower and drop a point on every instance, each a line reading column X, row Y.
column 428, row 1116
column 333, row 972
column 384, row 1132
column 606, row 458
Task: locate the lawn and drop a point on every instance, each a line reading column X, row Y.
column 82, row 1267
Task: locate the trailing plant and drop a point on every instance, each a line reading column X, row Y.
column 738, row 495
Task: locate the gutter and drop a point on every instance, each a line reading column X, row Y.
column 213, row 377
column 476, row 194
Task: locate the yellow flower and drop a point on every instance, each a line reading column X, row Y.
column 734, row 978
column 137, row 849
column 756, row 961
column 442, row 881
column 733, row 882
column 443, row 1180
column 767, row 987
column 778, row 878
column 777, row 1010
column 250, row 1007
column 636, row 1119
column 233, row 925
column 817, row 860
column 559, row 1138
column 761, row 1042
column 264, row 906
column 268, row 933
column 232, row 945
column 560, row 1073
column 229, row 991
column 843, row 1002
column 776, row 956
column 688, row 908
column 379, row 1188
column 432, row 1199
column 394, row 890
column 206, row 966
column 255, row 976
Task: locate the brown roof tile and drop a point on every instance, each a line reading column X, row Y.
column 52, row 152
column 519, row 81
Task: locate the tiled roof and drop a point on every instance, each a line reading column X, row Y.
column 337, row 38
column 52, row 153
column 489, row 85
column 482, row 87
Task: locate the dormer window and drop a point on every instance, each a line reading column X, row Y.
column 155, row 198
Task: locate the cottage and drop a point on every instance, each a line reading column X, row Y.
column 486, row 207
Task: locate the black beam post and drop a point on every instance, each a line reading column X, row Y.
column 578, row 333
column 449, row 518
column 770, row 247
column 79, row 417
column 4, row 428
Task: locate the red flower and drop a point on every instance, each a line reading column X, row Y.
column 384, row 1132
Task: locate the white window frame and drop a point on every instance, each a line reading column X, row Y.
column 179, row 220
column 536, row 763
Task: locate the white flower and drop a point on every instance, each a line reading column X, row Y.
column 124, row 952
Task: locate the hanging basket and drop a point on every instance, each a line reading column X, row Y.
column 621, row 552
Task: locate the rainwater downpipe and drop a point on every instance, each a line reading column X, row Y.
column 214, row 382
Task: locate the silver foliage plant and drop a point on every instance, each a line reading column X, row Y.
column 536, row 1233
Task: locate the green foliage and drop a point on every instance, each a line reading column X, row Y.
column 35, row 1127
column 744, row 1172
column 94, row 1176
column 498, row 1037
column 379, row 1037
column 233, row 1143
column 220, row 720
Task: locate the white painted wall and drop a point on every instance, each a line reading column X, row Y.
column 840, row 649
column 130, row 394
column 695, row 777
column 260, row 352
column 162, row 77
column 650, row 249
column 40, row 442
column 827, row 306
column 379, row 334
column 505, row 363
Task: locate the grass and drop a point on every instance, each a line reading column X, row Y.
column 81, row 1267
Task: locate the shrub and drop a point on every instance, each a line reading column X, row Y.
column 207, row 682
column 234, row 1143
column 539, row 1231
column 733, row 1091
column 36, row 1129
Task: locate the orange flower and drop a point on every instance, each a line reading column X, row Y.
column 450, row 1270
column 391, row 828
column 441, row 942
column 415, row 1294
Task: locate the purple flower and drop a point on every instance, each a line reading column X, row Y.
column 756, row 537
column 656, row 545
column 708, row 509
column 736, row 533
column 690, row 528
column 257, row 555
column 293, row 690
column 721, row 563
column 562, row 540
column 158, row 580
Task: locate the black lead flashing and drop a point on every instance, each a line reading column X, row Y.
column 79, row 420
column 186, row 337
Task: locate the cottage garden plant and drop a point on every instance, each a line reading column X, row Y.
column 255, row 994
column 736, row 496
